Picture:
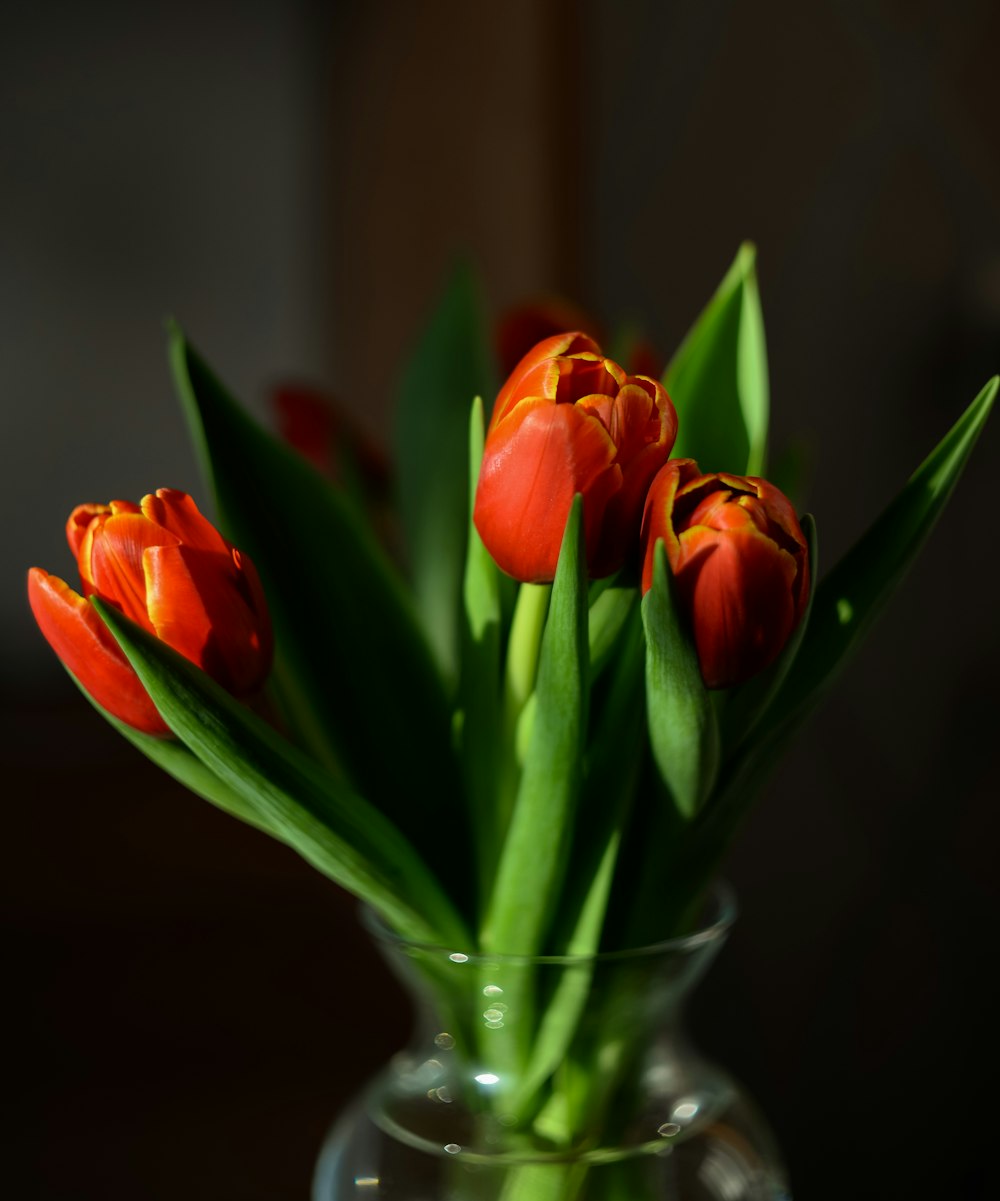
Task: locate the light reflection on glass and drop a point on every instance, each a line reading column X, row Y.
column 458, row 957
column 366, row 1182
column 487, row 1078
column 452, row 1148
column 492, row 990
column 668, row 1129
column 686, row 1110
column 723, row 1172
column 493, row 1017
column 444, row 1040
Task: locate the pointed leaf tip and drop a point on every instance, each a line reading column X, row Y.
column 746, row 257
column 718, row 377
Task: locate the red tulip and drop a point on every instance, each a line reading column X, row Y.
column 739, row 560
column 325, row 433
column 570, row 421
column 169, row 569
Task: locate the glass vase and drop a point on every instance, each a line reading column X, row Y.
column 553, row 1079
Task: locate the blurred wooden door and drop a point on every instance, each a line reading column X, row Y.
column 452, row 132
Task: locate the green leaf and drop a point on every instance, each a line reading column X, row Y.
column 479, row 686
column 562, row 1013
column 615, row 755
column 718, row 378
column 317, row 814
column 186, row 768
column 356, row 678
column 449, row 366
column 533, row 860
column 683, row 731
column 852, row 595
column 845, row 604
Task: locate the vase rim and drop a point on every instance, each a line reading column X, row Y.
column 720, row 907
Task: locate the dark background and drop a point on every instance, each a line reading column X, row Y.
column 191, row 1004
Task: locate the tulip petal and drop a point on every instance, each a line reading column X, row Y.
column 79, row 522
column 572, row 342
column 204, row 605
column 176, row 511
column 738, row 588
column 88, row 650
column 532, row 469
column 657, row 517
column 111, row 561
column 747, row 704
column 584, row 374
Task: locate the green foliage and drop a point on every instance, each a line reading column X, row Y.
column 479, row 693
column 533, row 860
column 683, row 731
column 285, row 791
column 718, row 378
column 451, row 364
column 844, row 606
column 850, row 597
column 187, row 769
column 354, row 673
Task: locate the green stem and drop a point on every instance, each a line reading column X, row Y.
column 523, row 650
column 543, row 1182
column 525, row 645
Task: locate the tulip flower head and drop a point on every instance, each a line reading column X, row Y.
column 740, row 564
column 169, row 569
column 567, row 421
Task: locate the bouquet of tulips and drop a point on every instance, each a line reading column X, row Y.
column 514, row 716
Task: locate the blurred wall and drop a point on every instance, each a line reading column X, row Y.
column 291, row 180
column 158, row 159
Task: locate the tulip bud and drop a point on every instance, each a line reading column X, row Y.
column 325, row 434
column 740, row 563
column 169, row 569
column 567, row 421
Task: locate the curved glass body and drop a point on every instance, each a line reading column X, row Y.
column 553, row 1079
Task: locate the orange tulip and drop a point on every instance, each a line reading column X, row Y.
column 169, row 569
column 567, row 421
column 740, row 562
